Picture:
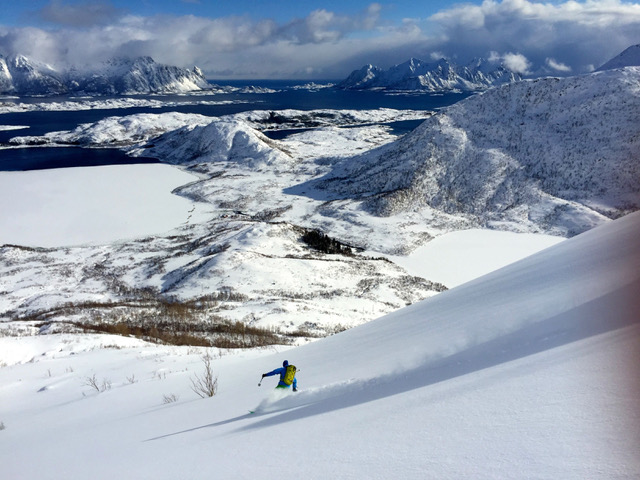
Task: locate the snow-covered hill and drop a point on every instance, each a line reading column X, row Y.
column 528, row 372
column 551, row 155
column 20, row 75
column 249, row 246
column 226, row 140
column 439, row 76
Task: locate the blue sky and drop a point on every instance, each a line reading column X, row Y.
column 321, row 40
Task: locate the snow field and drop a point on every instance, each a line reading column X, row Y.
column 71, row 206
column 527, row 371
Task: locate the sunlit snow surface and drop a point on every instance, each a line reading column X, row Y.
column 529, row 372
column 72, row 206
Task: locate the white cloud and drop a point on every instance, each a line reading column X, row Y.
column 574, row 34
column 237, row 44
column 569, row 36
column 516, row 62
column 557, row 66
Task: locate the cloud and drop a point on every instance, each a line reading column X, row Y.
column 322, row 26
column 94, row 32
column 528, row 36
column 557, row 66
column 574, row 34
column 516, row 62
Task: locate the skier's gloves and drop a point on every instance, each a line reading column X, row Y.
column 264, row 375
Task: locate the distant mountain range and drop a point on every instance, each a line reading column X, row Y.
column 20, row 75
column 442, row 75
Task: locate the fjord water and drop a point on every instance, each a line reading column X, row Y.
column 268, row 95
column 41, row 158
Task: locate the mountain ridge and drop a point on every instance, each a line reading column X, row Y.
column 546, row 152
column 442, row 75
column 20, row 75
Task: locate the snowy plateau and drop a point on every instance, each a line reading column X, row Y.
column 429, row 366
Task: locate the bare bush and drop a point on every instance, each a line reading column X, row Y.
column 171, row 398
column 207, row 384
column 99, row 387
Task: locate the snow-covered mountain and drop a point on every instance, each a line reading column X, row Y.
column 554, row 155
column 20, row 75
column 249, row 245
column 23, row 76
column 628, row 58
column 442, row 75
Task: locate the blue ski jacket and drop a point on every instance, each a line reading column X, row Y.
column 281, row 371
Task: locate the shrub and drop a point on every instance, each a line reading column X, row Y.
column 207, row 384
column 171, row 398
column 92, row 382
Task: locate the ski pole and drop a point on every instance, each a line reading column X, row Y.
column 260, row 383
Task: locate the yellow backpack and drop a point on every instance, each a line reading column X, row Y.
column 289, row 374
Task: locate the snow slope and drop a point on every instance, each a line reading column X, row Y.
column 528, row 372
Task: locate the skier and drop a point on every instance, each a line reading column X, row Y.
column 287, row 376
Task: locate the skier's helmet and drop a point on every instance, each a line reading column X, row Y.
column 285, row 363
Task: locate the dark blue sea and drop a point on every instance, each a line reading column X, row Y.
column 288, row 94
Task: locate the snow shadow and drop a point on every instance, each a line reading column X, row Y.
column 338, row 183
column 605, row 314
column 195, row 429
column 314, row 189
